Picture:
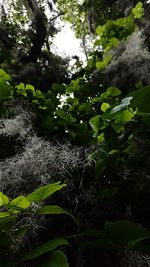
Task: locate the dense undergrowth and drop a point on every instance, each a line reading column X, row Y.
column 92, row 149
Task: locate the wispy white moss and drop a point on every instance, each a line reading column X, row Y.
column 135, row 259
column 130, row 60
column 20, row 124
column 39, row 162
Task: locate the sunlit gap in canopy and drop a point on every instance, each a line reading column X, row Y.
column 64, row 43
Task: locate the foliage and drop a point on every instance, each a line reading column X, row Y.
column 103, row 111
column 118, row 234
column 12, row 230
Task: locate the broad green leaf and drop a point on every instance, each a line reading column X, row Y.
column 124, row 103
column 140, row 242
column 35, row 101
column 44, row 248
column 20, row 202
column 21, row 90
column 66, row 117
column 104, row 107
column 39, row 94
column 20, row 86
column 74, row 86
column 4, row 75
column 1, row 202
column 111, row 92
column 118, row 127
column 4, row 214
column 113, row 152
column 125, row 232
column 51, row 210
column 43, row 107
column 117, row 112
column 57, row 259
column 4, row 200
column 113, row 42
column 31, row 88
column 44, row 192
column 126, row 116
column 5, row 89
column 101, row 65
column 95, row 124
column 141, row 99
column 100, row 138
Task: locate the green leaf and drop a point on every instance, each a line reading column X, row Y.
column 115, row 112
column 51, row 210
column 5, row 89
column 104, row 107
column 4, row 200
column 66, row 117
column 43, row 107
column 20, row 202
column 100, row 138
column 125, row 116
column 35, row 101
column 140, row 243
column 44, row 248
column 100, row 30
column 1, row 202
column 125, row 233
column 44, row 192
column 21, row 89
column 4, row 75
column 141, row 99
column 113, row 42
column 138, row 11
column 57, row 259
column 124, row 103
column 114, row 151
column 101, row 65
column 31, row 88
column 95, row 124
column 111, row 92
column 4, row 214
column 20, row 86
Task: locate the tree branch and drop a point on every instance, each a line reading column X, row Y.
column 40, row 33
